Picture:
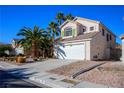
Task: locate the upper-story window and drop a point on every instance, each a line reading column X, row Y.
column 103, row 32
column 82, row 30
column 92, row 28
column 107, row 37
column 68, row 31
column 110, row 37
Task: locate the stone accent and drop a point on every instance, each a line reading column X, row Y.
column 122, row 38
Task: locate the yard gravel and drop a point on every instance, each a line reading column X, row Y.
column 69, row 70
column 110, row 74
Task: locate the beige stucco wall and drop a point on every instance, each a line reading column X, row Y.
column 111, row 42
column 89, row 24
column 122, row 38
column 123, row 50
column 100, row 46
column 87, row 50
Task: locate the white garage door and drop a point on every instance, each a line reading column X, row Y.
column 73, row 51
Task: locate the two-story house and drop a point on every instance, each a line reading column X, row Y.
column 85, row 39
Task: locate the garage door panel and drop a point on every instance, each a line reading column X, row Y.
column 73, row 52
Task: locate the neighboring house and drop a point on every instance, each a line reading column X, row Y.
column 8, row 52
column 122, row 38
column 17, row 47
column 85, row 39
column 6, row 48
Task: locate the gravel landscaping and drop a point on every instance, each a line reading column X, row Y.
column 69, row 70
column 110, row 74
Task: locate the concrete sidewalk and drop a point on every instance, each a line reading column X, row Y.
column 36, row 72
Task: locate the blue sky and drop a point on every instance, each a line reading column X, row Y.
column 13, row 18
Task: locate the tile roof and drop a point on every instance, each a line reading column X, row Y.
column 82, row 36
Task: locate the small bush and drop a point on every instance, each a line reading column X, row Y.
column 2, row 54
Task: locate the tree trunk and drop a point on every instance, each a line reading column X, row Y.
column 34, row 49
column 52, row 48
column 43, row 53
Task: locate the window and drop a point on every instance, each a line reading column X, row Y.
column 83, row 29
column 92, row 28
column 110, row 37
column 68, row 32
column 103, row 32
column 107, row 37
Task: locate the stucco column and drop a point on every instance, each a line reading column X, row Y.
column 122, row 38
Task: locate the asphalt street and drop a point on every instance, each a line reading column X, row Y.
column 9, row 81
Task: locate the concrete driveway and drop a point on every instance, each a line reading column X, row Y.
column 47, row 65
column 38, row 68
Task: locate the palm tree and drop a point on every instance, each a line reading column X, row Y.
column 45, row 47
column 69, row 17
column 53, row 29
column 60, row 18
column 31, row 38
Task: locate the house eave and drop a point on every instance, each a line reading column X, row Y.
column 76, row 19
column 122, row 37
column 63, row 24
column 76, row 41
column 87, row 19
column 107, row 28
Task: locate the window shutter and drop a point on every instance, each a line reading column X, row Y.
column 73, row 32
column 62, row 33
